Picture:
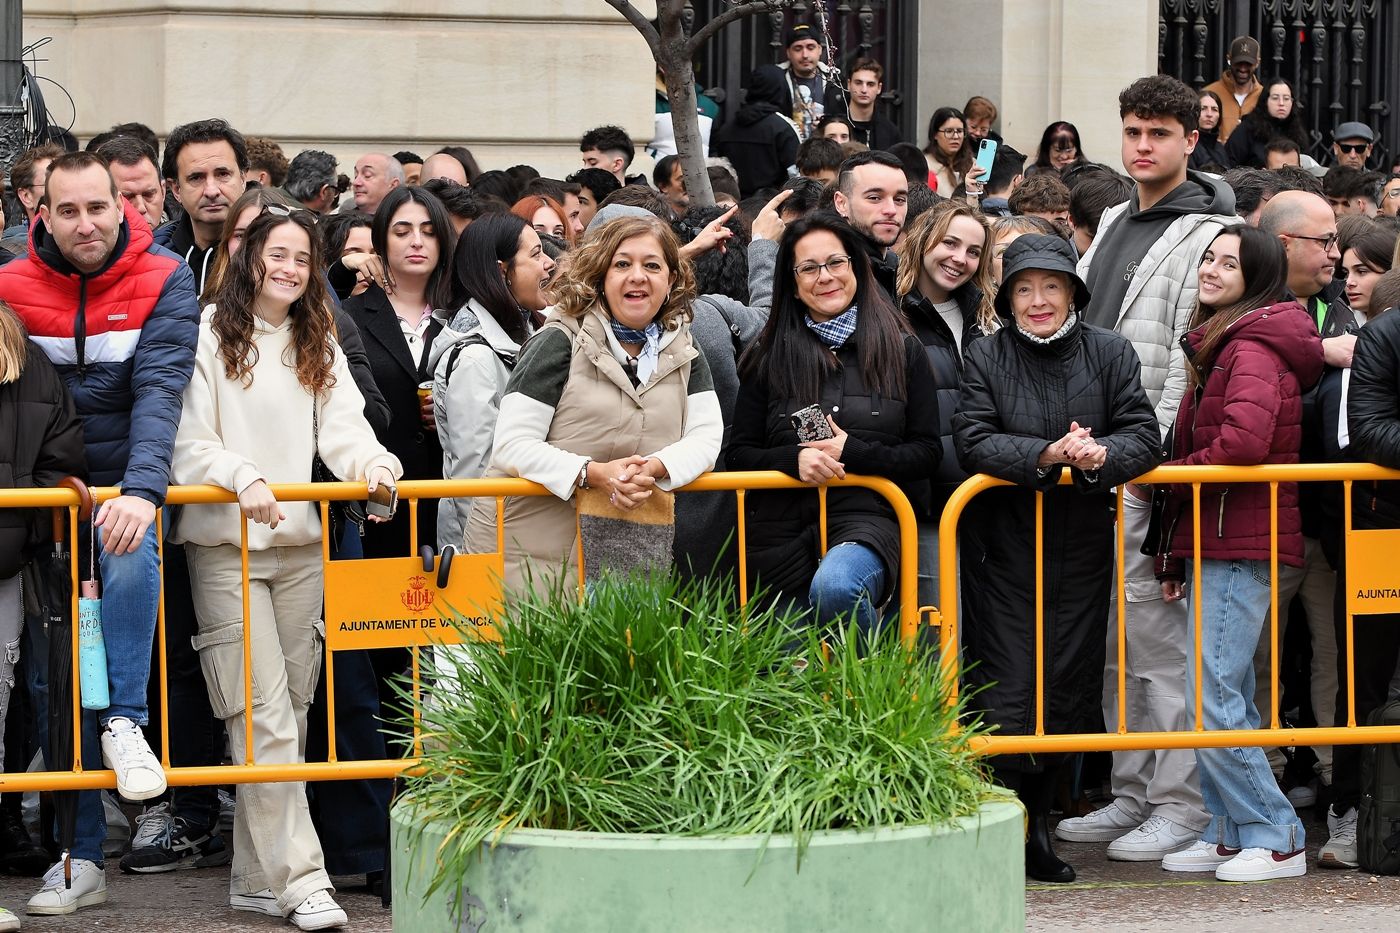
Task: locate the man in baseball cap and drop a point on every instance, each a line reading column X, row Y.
column 1238, row 88
column 814, row 91
column 1351, row 144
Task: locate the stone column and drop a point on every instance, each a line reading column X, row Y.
column 1040, row 61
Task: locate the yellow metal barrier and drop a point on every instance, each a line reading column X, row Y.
column 1360, row 552
column 410, row 492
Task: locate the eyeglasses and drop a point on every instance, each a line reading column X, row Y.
column 282, row 210
column 1327, row 242
column 1353, row 148
column 952, row 133
column 834, row 266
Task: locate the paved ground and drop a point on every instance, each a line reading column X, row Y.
column 180, row 902
column 1108, row 897
column 1140, row 897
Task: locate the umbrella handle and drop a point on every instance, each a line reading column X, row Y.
column 85, row 504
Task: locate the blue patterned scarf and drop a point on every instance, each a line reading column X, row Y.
column 649, row 338
column 835, row 332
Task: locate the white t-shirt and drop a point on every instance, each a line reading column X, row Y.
column 952, row 316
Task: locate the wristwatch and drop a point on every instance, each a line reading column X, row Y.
column 583, row 473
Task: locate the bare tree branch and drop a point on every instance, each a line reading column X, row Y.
column 640, row 22
column 738, row 11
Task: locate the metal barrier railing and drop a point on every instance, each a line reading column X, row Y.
column 1360, row 546
column 410, row 493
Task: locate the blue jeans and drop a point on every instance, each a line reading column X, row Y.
column 1246, row 807
column 849, row 579
column 130, row 597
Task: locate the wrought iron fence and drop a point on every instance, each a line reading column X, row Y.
column 885, row 30
column 1337, row 54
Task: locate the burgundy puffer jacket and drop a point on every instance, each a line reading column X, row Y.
column 1249, row 411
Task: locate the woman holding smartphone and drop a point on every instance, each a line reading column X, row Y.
column 840, row 355
column 270, row 390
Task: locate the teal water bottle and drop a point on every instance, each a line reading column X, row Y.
column 92, row 649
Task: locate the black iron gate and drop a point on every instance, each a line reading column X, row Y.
column 885, row 30
column 1339, row 54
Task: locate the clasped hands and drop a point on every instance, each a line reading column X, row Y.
column 1077, row 449
column 630, row 479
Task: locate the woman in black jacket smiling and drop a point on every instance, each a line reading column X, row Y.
column 832, row 340
column 1044, row 393
column 945, row 291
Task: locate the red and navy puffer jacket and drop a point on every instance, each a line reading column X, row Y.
column 1248, row 412
column 122, row 338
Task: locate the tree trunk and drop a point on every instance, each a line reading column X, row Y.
column 680, row 91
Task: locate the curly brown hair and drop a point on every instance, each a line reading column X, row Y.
column 313, row 323
column 1161, row 96
column 582, row 285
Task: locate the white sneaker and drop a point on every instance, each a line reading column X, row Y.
column 1263, row 865
column 318, row 912
column 1103, row 825
column 1302, row 796
column 89, row 886
column 1155, row 838
column 1198, row 856
column 124, row 750
column 8, row 921
column 1340, row 850
column 259, row 902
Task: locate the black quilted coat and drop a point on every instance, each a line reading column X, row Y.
column 893, row 438
column 1018, row 397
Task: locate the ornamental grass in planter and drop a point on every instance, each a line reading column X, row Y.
column 659, row 710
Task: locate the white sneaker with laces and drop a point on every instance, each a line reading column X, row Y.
column 89, row 886
column 318, row 912
column 124, row 750
column 1263, row 865
column 1198, row 856
column 259, row 902
column 1103, row 825
column 8, row 921
column 1155, row 838
column 1340, row 850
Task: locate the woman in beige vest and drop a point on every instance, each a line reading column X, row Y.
column 611, row 395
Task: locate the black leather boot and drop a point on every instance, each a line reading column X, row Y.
column 1042, row 864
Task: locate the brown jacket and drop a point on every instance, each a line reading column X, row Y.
column 593, row 411
column 1230, row 111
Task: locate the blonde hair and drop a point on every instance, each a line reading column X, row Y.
column 582, row 284
column 14, row 345
column 921, row 236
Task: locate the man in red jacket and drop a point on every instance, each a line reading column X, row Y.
column 117, row 317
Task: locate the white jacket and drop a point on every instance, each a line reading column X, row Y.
column 468, row 385
column 1160, row 301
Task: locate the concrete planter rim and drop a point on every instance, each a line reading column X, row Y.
column 994, row 808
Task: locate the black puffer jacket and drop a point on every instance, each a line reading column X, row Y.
column 1373, row 419
column 1017, row 397
column 41, row 442
column 893, row 438
column 1209, row 151
column 947, row 365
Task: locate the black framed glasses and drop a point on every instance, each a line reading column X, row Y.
column 835, row 266
column 1327, row 242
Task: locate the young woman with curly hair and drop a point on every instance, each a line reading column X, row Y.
column 270, row 390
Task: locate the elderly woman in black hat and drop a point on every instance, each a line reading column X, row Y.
column 1046, row 393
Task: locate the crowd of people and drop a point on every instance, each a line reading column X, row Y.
column 212, row 312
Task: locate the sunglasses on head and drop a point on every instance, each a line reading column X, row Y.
column 282, row 210
column 1353, row 148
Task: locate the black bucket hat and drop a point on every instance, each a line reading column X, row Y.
column 1038, row 251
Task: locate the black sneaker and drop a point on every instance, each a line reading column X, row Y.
column 180, row 847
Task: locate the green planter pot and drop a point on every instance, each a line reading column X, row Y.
column 967, row 875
